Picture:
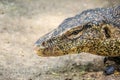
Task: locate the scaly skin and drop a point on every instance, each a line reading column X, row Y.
column 100, row 40
column 94, row 31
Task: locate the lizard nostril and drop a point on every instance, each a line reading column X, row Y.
column 43, row 44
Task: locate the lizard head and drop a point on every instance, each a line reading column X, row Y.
column 75, row 40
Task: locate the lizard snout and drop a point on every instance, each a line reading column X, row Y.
column 39, row 49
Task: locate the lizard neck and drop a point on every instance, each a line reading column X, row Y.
column 107, row 47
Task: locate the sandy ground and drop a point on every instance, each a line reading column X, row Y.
column 22, row 22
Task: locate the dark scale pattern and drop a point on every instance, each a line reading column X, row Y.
column 96, row 16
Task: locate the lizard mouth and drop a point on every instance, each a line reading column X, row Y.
column 39, row 50
column 48, row 51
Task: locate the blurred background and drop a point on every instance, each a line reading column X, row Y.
column 22, row 22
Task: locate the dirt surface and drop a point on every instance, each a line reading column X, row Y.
column 22, row 22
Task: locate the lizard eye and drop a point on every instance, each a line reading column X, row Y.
column 74, row 32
